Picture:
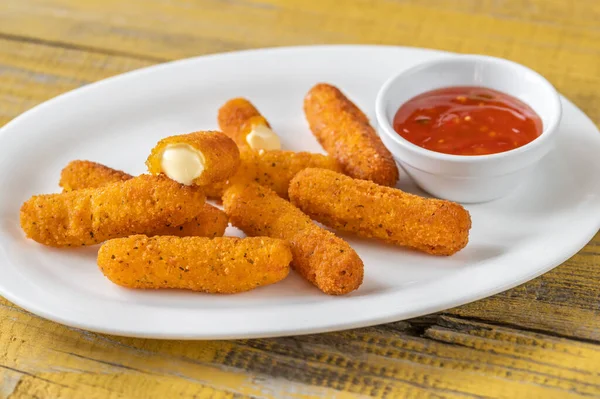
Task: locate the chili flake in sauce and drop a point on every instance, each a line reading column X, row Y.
column 467, row 121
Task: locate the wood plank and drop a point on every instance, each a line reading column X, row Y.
column 102, row 386
column 175, row 28
column 555, row 37
column 31, row 73
column 428, row 357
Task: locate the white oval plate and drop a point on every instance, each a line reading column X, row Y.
column 117, row 121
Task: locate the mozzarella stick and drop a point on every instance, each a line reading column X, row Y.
column 85, row 174
column 77, row 175
column 345, row 133
column 224, row 265
column 273, row 169
column 319, row 256
column 242, row 122
column 90, row 216
column 364, row 208
column 198, row 158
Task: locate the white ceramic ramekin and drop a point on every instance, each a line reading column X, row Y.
column 477, row 178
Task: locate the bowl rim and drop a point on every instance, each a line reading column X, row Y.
column 384, row 123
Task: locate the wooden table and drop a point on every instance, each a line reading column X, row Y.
column 537, row 340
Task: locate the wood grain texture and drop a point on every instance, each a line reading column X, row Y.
column 32, row 73
column 428, row 357
column 537, row 340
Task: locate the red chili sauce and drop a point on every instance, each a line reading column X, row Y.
column 467, row 121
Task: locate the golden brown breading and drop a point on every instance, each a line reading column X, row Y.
column 345, row 133
column 319, row 256
column 220, row 153
column 236, row 119
column 273, row 169
column 431, row 225
column 224, row 265
column 85, row 174
column 90, row 216
column 211, row 222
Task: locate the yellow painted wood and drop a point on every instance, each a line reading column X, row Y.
column 449, row 358
column 32, row 73
column 51, row 46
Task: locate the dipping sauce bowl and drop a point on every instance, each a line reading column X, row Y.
column 468, row 178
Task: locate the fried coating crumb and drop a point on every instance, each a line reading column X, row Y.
column 221, row 155
column 319, row 256
column 364, row 208
column 224, row 265
column 90, row 216
column 273, row 169
column 210, row 222
column 236, row 119
column 345, row 133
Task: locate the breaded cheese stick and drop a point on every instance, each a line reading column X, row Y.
column 319, row 256
column 273, row 169
column 224, row 265
column 85, row 174
column 90, row 216
column 210, row 222
column 198, row 158
column 345, row 133
column 430, row 225
column 242, row 122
